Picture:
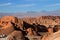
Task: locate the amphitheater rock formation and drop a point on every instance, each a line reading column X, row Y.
column 44, row 20
column 16, row 28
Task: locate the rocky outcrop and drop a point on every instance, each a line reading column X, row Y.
column 30, row 20
column 48, row 20
column 44, row 20
column 15, row 28
column 54, row 36
column 16, row 35
column 9, row 23
column 20, row 24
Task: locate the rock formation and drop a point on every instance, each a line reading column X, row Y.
column 20, row 24
column 16, row 35
column 15, row 28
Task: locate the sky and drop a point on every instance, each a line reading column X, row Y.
column 29, row 5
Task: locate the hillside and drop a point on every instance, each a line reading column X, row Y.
column 10, row 26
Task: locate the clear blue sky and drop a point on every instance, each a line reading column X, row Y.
column 29, row 5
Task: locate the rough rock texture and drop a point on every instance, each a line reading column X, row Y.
column 16, row 35
column 48, row 20
column 54, row 36
column 31, row 32
column 8, row 24
column 9, row 19
column 20, row 24
column 30, row 20
column 15, row 28
column 44, row 20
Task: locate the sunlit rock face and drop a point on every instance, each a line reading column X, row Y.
column 54, row 36
column 48, row 20
column 57, row 21
column 20, row 24
column 30, row 20
column 10, row 19
column 7, row 24
column 10, row 23
column 10, row 28
column 31, row 32
column 43, row 20
column 57, row 38
column 15, row 28
column 16, row 35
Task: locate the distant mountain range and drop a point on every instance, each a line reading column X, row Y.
column 32, row 13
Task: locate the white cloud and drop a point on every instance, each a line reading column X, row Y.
column 24, row 5
column 51, row 5
column 5, row 4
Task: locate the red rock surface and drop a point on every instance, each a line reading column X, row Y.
column 13, row 26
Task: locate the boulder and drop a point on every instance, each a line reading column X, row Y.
column 16, row 35
column 7, row 24
column 54, row 36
